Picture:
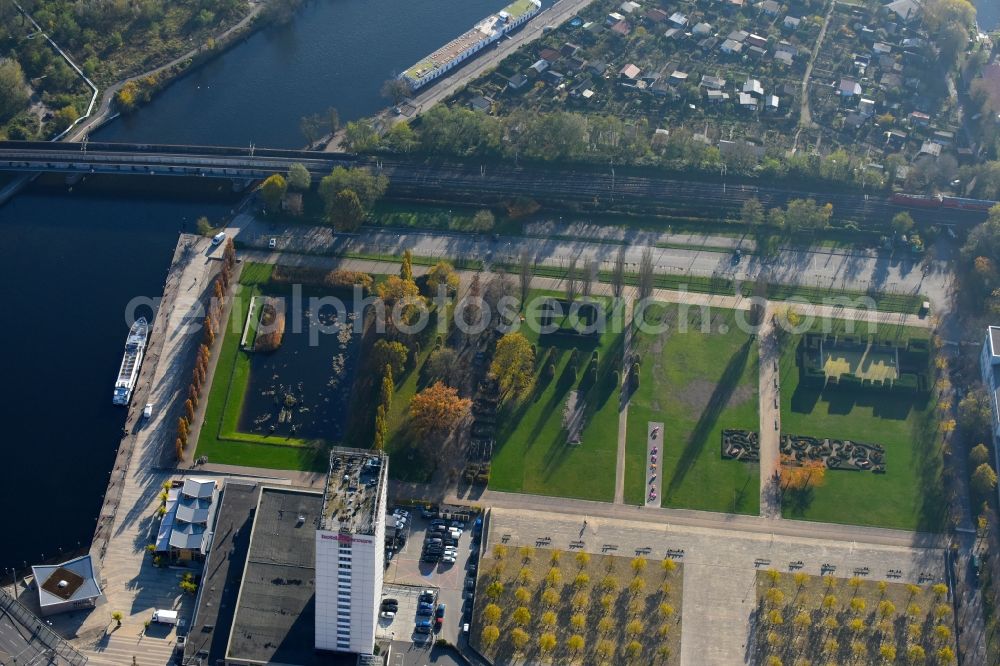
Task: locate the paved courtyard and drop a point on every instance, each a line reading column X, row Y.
column 719, row 566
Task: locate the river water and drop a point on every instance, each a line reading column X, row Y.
column 988, row 14
column 71, row 261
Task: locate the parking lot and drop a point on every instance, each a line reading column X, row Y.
column 407, row 575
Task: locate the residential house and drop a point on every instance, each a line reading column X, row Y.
column 517, row 81
column 580, row 87
column 708, row 44
column 771, row 103
column 553, row 78
column 905, row 10
column 753, row 87
column 673, row 33
column 713, row 82
column 739, row 36
column 930, row 148
column 702, row 29
column 731, row 47
column 770, row 7
column 881, row 48
column 855, row 120
column 943, row 137
column 716, row 96
column 549, row 55
column 791, row 23
column 575, row 63
column 849, row 87
column 660, row 136
column 622, row 28
column 895, row 139
column 483, row 104
column 866, row 107
column 919, row 119
column 678, row 20
column 569, row 49
column 784, row 57
column 598, row 67
column 756, row 40
column 678, row 77
column 656, row 16
column 629, row 71
column 614, row 17
column 629, row 6
column 747, row 101
column 757, row 53
column 539, row 66
column 891, row 80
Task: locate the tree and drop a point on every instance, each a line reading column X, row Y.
column 273, row 189
column 888, row 653
column 514, row 365
column 638, row 564
column 523, row 595
column 915, row 653
column 443, row 365
column 367, row 187
column 437, row 409
column 546, row 642
column 482, row 221
column 490, row 635
column 360, row 136
column 752, row 213
column 311, row 126
column 396, row 90
column 550, row 597
column 548, row 619
column 634, row 627
column 492, row 613
column 665, row 610
column 65, row 117
column 406, row 266
column 391, row 355
column 979, row 455
column 494, row 589
column 442, row 274
column 575, row 643
column 400, row 138
column 803, row 476
column 668, row 566
column 345, row 212
column 14, row 90
column 332, row 119
column 902, row 223
column 984, row 479
column 299, row 177
column 974, row 414
column 522, row 615
column 582, row 559
column 578, row 621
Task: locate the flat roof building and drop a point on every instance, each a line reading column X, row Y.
column 350, row 551
column 66, row 587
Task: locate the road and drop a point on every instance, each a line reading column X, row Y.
column 829, row 269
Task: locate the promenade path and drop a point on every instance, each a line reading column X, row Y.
column 132, row 585
column 769, row 396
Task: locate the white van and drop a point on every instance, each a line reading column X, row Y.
column 165, row 616
column 218, row 238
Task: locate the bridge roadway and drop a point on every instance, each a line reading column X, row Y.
column 453, row 180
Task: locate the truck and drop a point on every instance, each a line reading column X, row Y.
column 165, row 616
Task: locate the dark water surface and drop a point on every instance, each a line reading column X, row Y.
column 334, row 53
column 71, row 263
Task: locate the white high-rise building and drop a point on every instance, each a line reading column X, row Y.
column 350, row 551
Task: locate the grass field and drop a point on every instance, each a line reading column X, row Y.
column 532, row 454
column 909, row 494
column 219, row 438
column 697, row 383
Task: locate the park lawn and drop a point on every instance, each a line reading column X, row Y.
column 697, row 384
column 219, row 438
column 909, row 495
column 532, row 455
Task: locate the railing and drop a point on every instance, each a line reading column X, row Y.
column 52, row 642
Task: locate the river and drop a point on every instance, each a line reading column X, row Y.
column 71, row 262
column 988, row 14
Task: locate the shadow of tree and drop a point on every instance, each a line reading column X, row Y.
column 724, row 388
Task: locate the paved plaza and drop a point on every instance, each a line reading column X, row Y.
column 719, row 566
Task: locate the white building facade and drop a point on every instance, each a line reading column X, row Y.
column 350, row 553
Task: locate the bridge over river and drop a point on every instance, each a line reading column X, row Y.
column 589, row 190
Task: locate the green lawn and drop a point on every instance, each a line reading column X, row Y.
column 532, row 455
column 219, row 438
column 909, row 495
column 697, row 384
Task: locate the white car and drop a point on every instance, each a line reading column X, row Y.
column 388, row 614
column 272, row 243
column 147, row 411
column 448, row 559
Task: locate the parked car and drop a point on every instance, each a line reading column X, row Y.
column 448, row 559
column 440, row 611
column 388, row 615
